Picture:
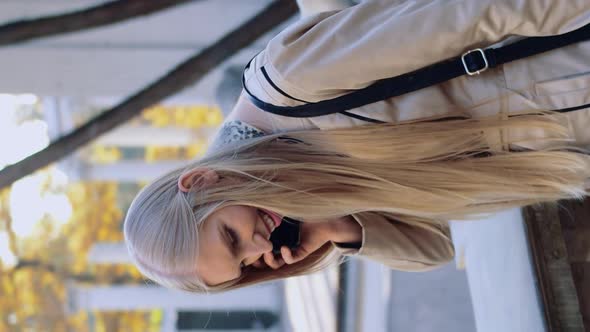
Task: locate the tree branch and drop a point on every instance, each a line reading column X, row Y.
column 105, row 14
column 82, row 277
column 185, row 74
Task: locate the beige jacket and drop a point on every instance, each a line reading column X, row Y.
column 399, row 245
column 334, row 53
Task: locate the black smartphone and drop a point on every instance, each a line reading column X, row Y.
column 287, row 234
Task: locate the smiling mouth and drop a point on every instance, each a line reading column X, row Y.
column 267, row 221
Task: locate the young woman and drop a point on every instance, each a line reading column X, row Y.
column 511, row 136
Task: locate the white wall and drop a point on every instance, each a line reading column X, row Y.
column 500, row 272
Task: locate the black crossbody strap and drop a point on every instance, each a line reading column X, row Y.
column 470, row 63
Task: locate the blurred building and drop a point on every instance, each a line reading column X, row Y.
column 117, row 60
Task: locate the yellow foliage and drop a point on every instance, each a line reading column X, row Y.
column 192, row 117
column 47, row 279
column 137, row 321
column 20, row 277
column 42, row 293
column 77, row 193
column 183, row 116
column 99, row 323
column 155, row 153
column 102, row 234
column 37, row 293
column 157, row 116
column 156, row 317
column 214, row 117
column 101, row 154
column 180, row 115
column 195, row 150
column 134, row 272
column 7, row 287
column 78, row 321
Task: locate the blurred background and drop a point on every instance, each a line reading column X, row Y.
column 63, row 265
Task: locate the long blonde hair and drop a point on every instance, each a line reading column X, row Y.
column 419, row 173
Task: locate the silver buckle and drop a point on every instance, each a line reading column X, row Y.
column 485, row 61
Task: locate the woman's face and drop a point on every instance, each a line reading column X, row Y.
column 229, row 239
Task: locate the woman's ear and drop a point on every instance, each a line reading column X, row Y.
column 201, row 177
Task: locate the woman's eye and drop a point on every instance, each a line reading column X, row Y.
column 233, row 237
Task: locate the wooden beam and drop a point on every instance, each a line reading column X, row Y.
column 575, row 222
column 93, row 17
column 554, row 273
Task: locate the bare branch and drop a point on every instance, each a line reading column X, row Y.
column 81, row 277
column 105, row 14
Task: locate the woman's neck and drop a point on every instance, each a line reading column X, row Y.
column 245, row 111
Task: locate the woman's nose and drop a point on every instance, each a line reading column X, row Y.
column 258, row 246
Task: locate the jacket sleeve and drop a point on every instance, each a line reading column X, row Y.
column 329, row 54
column 399, row 245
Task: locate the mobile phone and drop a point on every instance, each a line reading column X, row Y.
column 287, row 234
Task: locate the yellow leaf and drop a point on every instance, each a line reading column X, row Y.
column 214, row 118
column 103, row 234
column 156, row 316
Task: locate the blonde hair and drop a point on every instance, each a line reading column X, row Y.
column 420, row 173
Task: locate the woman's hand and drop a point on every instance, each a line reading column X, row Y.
column 314, row 234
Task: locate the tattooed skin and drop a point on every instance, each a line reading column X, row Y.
column 235, row 130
